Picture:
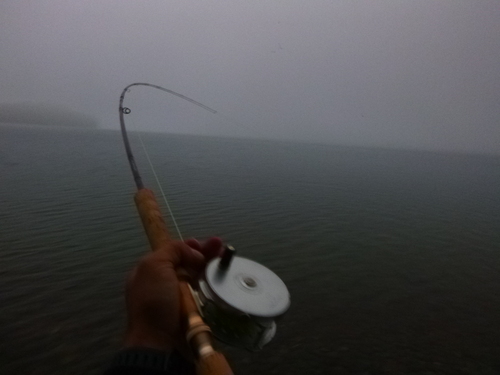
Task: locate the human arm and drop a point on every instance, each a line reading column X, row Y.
column 153, row 308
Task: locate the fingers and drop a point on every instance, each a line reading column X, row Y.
column 210, row 249
column 193, row 243
column 178, row 254
column 189, row 255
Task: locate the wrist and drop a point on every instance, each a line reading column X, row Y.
column 141, row 360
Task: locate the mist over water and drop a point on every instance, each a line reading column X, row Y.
column 44, row 114
column 391, row 257
column 409, row 74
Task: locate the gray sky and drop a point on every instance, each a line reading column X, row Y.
column 397, row 73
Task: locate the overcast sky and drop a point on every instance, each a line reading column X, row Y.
column 391, row 73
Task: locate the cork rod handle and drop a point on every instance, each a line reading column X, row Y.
column 209, row 361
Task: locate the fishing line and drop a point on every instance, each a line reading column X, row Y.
column 130, row 156
column 158, row 181
column 135, row 171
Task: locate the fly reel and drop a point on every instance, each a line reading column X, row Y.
column 240, row 300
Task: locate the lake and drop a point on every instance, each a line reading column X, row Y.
column 391, row 257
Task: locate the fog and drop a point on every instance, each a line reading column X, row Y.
column 407, row 74
column 44, row 114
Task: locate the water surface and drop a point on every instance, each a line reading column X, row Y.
column 391, row 257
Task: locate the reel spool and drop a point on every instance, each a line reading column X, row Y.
column 241, row 299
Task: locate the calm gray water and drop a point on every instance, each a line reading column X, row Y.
column 391, row 257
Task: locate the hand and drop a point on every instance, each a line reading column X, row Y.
column 152, row 293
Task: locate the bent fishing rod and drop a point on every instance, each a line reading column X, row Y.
column 238, row 298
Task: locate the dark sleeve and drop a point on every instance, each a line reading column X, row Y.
column 145, row 361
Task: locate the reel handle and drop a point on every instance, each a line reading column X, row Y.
column 209, row 362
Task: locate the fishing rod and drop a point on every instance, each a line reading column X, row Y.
column 236, row 298
column 126, row 111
